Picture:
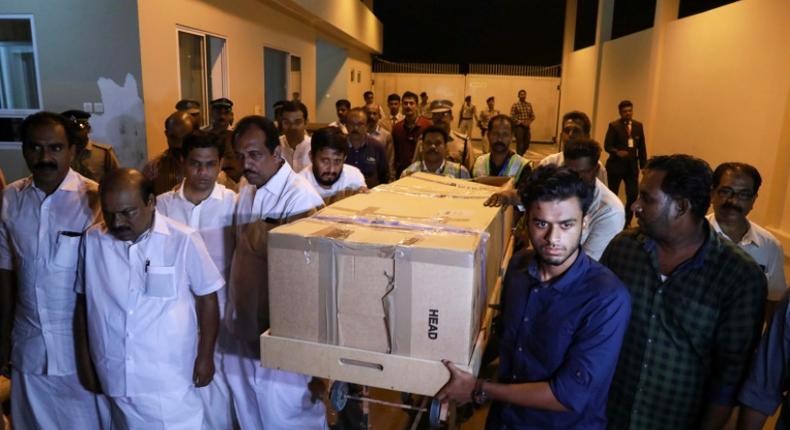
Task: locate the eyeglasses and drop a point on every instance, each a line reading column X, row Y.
column 727, row 193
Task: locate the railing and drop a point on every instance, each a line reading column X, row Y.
column 383, row 66
column 389, row 67
column 515, row 70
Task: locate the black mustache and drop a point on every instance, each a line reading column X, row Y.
column 120, row 229
column 45, row 165
column 248, row 172
column 733, row 207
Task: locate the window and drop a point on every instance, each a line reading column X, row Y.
column 202, row 68
column 19, row 86
column 692, row 7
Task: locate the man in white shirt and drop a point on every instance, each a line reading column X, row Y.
column 329, row 176
column 342, row 107
column 381, row 135
column 207, row 206
column 735, row 187
column 270, row 194
column 294, row 142
column 575, row 124
column 147, row 316
column 43, row 219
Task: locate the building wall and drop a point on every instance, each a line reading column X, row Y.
column 248, row 26
column 722, row 93
column 88, row 51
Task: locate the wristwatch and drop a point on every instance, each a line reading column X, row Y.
column 479, row 397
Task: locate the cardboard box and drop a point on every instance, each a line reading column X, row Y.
column 404, row 270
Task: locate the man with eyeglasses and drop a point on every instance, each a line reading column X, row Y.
column 91, row 159
column 735, row 187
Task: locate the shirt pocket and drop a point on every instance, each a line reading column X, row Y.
column 67, row 250
column 160, row 282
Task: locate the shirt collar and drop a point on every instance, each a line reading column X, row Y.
column 440, row 170
column 69, row 183
column 749, row 238
column 567, row 279
column 276, row 184
column 216, row 191
column 695, row 262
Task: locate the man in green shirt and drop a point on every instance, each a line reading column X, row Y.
column 697, row 306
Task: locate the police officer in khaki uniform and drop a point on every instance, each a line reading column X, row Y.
column 91, row 159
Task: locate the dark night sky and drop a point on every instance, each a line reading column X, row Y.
column 468, row 31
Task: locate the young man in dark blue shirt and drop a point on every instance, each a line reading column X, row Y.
column 563, row 320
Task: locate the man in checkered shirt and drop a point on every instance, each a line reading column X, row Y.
column 697, row 306
column 522, row 115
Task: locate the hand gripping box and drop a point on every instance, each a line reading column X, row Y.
column 402, row 270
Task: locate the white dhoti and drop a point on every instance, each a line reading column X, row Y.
column 267, row 398
column 216, row 396
column 175, row 410
column 55, row 402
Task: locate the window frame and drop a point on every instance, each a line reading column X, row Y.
column 21, row 113
column 205, row 54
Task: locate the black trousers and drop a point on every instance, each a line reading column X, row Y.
column 523, row 136
column 631, row 179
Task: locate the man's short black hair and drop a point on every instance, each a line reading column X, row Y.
column 467, row 98
column 489, row 99
column 202, row 139
column 422, row 94
column 328, row 138
column 551, row 183
column 295, row 106
column 435, row 129
column 393, row 97
column 410, row 95
column 343, row 102
column 746, row 169
column 500, row 118
column 262, row 123
column 185, row 104
column 48, row 118
column 686, row 177
column 581, row 148
column 580, row 117
column 367, row 93
column 624, row 104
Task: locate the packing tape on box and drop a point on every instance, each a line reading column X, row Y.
column 398, row 292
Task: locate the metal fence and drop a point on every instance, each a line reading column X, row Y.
column 515, row 70
column 389, row 67
column 383, row 66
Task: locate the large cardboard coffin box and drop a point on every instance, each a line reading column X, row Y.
column 404, row 270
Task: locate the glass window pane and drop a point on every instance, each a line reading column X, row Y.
column 217, row 69
column 190, row 57
column 18, row 83
column 295, row 79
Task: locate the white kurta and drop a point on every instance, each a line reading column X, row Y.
column 264, row 398
column 350, row 178
column 39, row 241
column 213, row 219
column 142, row 323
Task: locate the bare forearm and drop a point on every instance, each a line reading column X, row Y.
column 208, row 323
column 749, row 419
column 715, row 416
column 536, row 395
